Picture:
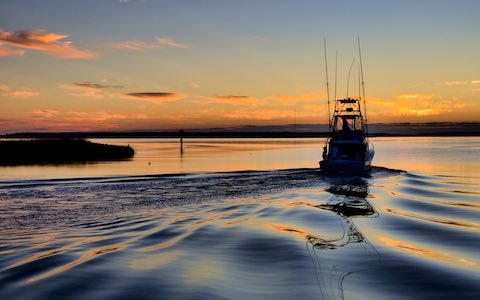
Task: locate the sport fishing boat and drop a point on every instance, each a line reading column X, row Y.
column 347, row 150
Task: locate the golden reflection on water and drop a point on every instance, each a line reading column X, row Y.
column 445, row 221
column 88, row 255
column 432, row 254
column 286, row 228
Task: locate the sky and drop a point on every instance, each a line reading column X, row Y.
column 117, row 65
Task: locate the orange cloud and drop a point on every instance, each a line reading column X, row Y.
column 276, row 100
column 4, row 88
column 135, row 45
column 414, row 105
column 83, row 90
column 456, row 83
column 425, row 105
column 259, row 114
column 170, row 42
column 154, row 97
column 292, row 99
column 45, row 42
column 462, row 83
column 22, row 93
column 94, row 117
column 45, row 113
column 233, row 99
column 54, row 120
column 9, row 52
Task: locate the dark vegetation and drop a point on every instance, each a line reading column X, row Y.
column 59, row 151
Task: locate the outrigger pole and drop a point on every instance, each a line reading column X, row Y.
column 363, row 87
column 328, row 89
column 349, row 72
column 335, row 100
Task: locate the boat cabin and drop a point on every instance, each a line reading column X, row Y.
column 347, row 141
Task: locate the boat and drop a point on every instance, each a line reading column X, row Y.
column 347, row 150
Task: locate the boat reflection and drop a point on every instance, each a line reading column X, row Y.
column 348, row 201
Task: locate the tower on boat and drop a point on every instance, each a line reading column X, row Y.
column 347, row 150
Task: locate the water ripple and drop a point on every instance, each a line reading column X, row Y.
column 268, row 234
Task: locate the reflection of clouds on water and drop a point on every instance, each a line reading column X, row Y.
column 334, row 259
column 287, row 234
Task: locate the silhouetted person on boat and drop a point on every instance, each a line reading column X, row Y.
column 345, row 124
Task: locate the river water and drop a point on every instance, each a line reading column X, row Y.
column 245, row 219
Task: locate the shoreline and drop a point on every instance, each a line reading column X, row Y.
column 113, row 135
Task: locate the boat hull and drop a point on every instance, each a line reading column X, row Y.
column 344, row 167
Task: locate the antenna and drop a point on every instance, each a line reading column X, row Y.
column 363, row 85
column 359, row 86
column 349, row 71
column 326, row 76
column 336, row 59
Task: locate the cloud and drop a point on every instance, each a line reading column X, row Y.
column 46, row 42
column 277, row 100
column 462, row 83
column 170, row 42
column 20, row 93
column 95, row 85
column 456, row 83
column 9, row 52
column 136, row 45
column 229, row 98
column 194, row 84
column 154, row 97
column 94, row 116
column 4, row 88
column 83, row 90
column 131, row 1
column 45, row 113
column 88, row 89
column 23, row 94
column 292, row 99
column 233, row 99
column 54, row 120
column 416, row 105
column 259, row 114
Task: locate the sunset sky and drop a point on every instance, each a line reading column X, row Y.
column 153, row 65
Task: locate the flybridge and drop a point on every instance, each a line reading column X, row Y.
column 348, row 100
column 349, row 107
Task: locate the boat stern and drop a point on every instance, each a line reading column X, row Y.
column 342, row 167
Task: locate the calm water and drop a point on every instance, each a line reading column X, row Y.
column 245, row 219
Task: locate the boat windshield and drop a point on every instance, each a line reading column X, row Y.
column 347, row 123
